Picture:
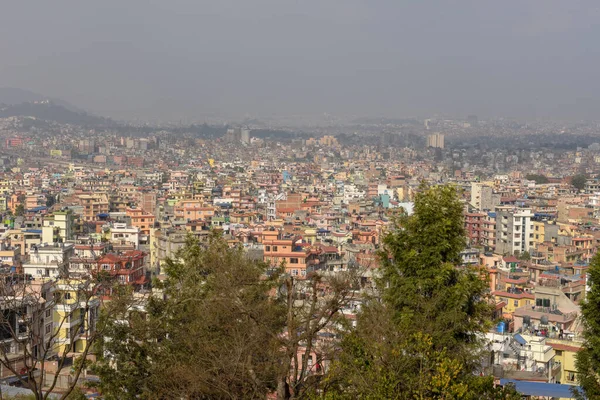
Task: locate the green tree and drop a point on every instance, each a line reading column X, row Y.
column 425, row 290
column 539, row 179
column 578, row 181
column 20, row 210
column 378, row 361
column 422, row 340
column 50, row 200
column 525, row 256
column 209, row 336
column 588, row 358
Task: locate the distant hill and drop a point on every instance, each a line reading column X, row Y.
column 51, row 111
column 14, row 96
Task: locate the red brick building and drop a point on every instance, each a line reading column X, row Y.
column 473, row 227
column 128, row 268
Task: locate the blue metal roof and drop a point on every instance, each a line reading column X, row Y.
column 520, row 339
column 541, row 388
column 33, row 231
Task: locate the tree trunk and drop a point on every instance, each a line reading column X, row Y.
column 283, row 389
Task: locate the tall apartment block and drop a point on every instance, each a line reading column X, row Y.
column 436, row 140
column 514, row 230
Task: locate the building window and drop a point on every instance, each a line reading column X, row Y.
column 48, row 313
column 274, row 248
column 295, row 272
column 293, row 261
column 516, row 303
column 48, row 328
column 267, row 248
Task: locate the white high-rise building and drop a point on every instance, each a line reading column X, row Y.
column 245, row 138
column 436, row 140
column 514, row 231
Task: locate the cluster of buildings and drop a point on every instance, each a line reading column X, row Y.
column 75, row 205
column 536, row 241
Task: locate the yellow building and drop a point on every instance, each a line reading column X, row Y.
column 538, row 232
column 75, row 315
column 513, row 300
column 565, row 353
column 5, row 186
column 310, row 235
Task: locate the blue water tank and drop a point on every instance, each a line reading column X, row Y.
column 500, row 327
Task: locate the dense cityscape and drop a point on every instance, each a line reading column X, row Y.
column 299, row 200
column 93, row 199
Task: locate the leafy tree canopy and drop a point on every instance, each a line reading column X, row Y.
column 539, row 179
column 579, row 180
column 421, row 341
column 588, row 358
column 209, row 336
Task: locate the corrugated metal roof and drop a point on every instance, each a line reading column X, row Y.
column 541, row 388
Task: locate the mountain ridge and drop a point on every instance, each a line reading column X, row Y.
column 12, row 96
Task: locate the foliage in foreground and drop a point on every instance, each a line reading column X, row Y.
column 421, row 341
column 588, row 358
column 220, row 331
column 210, row 336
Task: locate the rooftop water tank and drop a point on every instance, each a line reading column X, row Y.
column 500, row 327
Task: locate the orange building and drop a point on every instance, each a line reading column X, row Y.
column 94, row 204
column 141, row 219
column 193, row 210
column 299, row 258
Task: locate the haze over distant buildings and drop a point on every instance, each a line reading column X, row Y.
column 189, row 60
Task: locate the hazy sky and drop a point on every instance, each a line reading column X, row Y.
column 173, row 59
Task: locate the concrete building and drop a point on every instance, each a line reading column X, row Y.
column 93, row 205
column 483, row 197
column 10, row 255
column 245, row 136
column 514, row 230
column 121, row 234
column 74, row 308
column 435, row 140
column 165, row 243
column 523, row 357
column 58, row 227
column 49, row 260
column 142, row 220
column 24, row 239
